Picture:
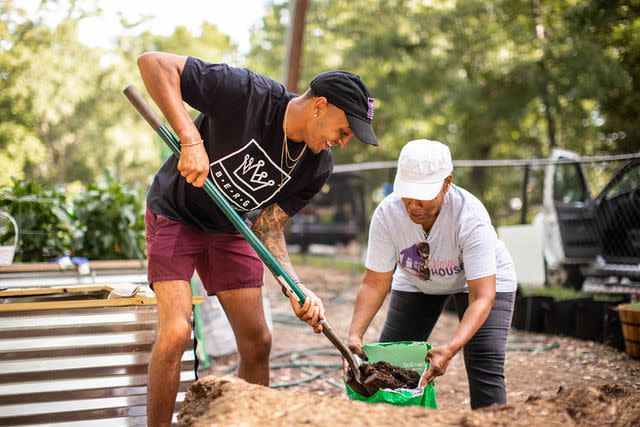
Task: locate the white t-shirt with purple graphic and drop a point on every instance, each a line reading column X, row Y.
column 462, row 245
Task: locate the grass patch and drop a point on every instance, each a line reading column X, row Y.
column 556, row 293
column 609, row 298
column 561, row 294
column 327, row 262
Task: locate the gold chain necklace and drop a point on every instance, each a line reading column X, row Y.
column 286, row 159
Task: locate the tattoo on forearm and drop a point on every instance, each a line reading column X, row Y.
column 269, row 227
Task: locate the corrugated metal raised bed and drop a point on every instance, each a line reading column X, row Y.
column 71, row 356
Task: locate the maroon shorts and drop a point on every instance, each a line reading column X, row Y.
column 223, row 261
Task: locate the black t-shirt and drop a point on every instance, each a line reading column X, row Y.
column 241, row 125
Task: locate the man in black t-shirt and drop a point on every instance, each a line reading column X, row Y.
column 265, row 149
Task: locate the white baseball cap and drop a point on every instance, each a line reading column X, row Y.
column 423, row 166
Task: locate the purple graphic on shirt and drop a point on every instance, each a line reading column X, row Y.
column 414, row 260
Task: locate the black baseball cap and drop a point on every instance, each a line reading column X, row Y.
column 349, row 93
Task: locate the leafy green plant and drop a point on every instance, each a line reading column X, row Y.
column 634, row 306
column 44, row 223
column 110, row 220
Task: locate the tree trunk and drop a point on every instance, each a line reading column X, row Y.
column 295, row 39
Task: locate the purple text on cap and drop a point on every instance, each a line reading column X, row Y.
column 370, row 112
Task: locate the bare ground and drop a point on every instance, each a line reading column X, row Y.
column 228, row 401
column 535, row 370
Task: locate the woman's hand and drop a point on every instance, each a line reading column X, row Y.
column 355, row 345
column 438, row 358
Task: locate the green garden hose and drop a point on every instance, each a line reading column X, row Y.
column 295, row 363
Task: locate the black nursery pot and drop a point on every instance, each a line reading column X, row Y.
column 599, row 321
column 529, row 313
column 561, row 319
column 590, row 319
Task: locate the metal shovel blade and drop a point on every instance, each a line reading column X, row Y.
column 331, row 335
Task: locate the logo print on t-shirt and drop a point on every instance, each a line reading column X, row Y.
column 415, row 262
column 248, row 177
column 419, row 263
column 252, row 175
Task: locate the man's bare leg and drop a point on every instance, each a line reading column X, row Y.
column 246, row 316
column 174, row 334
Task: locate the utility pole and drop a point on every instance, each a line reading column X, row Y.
column 546, row 87
column 295, row 36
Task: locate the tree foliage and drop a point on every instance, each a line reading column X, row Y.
column 505, row 78
column 493, row 79
column 63, row 117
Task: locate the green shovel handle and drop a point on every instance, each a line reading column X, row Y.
column 280, row 274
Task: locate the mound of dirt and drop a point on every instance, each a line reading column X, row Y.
column 606, row 405
column 231, row 401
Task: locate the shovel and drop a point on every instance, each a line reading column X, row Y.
column 283, row 278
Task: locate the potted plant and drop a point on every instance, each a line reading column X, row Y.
column 630, row 321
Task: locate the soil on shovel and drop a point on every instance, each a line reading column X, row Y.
column 382, row 375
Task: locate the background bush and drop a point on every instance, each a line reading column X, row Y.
column 110, row 219
column 44, row 223
column 105, row 221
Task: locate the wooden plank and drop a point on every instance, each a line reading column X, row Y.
column 29, row 266
column 26, row 267
column 53, row 290
column 118, row 264
column 57, row 305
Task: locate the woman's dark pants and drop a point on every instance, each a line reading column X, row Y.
column 412, row 316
